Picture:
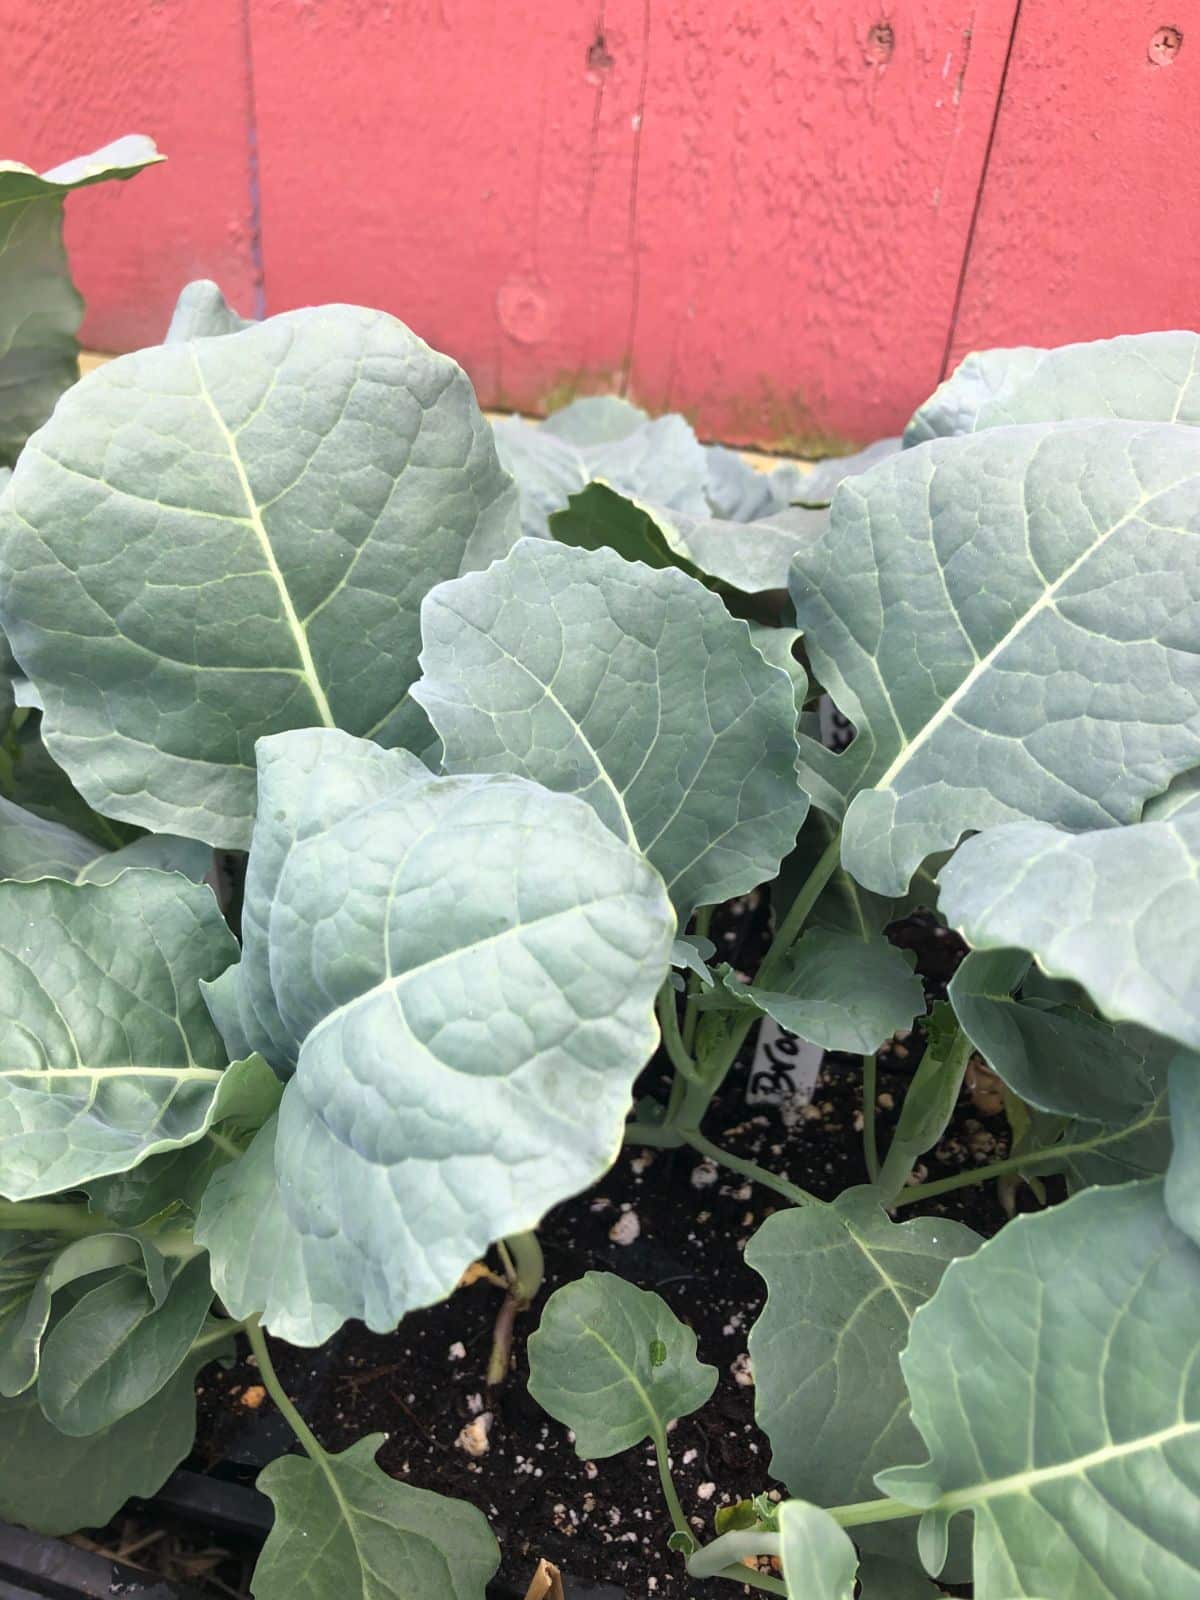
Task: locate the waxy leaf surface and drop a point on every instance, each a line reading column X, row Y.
column 1182, row 1188
column 843, row 1284
column 30, row 1290
column 223, row 538
column 261, row 1261
column 40, row 308
column 202, row 312
column 109, row 1055
column 1117, row 911
column 342, row 1526
column 1055, row 1378
column 32, row 847
column 604, row 439
column 632, row 688
column 819, row 1561
column 1150, row 377
column 980, row 379
column 840, row 992
column 1056, row 1057
column 247, row 1096
column 1007, row 620
column 118, row 1346
column 463, row 970
column 615, row 1364
column 817, row 487
column 54, row 1483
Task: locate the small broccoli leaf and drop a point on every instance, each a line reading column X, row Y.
column 929, row 1101
column 634, row 689
column 223, row 538
column 202, row 312
column 594, row 419
column 659, row 460
column 31, row 1301
column 1092, row 1441
column 844, row 906
column 1005, row 620
column 750, row 558
column 839, row 991
column 819, row 1561
column 843, row 1285
column 694, row 953
column 1182, row 1188
column 817, row 488
column 1116, row 910
column 1056, row 1057
column 592, row 1365
column 380, row 1539
column 56, row 1483
column 40, row 308
column 117, row 1347
column 110, row 1054
column 739, row 492
column 463, row 971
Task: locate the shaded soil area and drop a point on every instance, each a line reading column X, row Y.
column 665, row 1220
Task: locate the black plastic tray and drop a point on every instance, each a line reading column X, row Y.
column 36, row 1567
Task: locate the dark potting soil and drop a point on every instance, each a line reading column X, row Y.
column 665, row 1220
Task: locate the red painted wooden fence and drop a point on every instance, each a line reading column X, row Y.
column 782, row 219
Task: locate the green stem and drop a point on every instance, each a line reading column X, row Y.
column 906, row 1148
column 654, row 1135
column 862, row 1512
column 691, row 1013
column 525, row 1269
column 524, row 1263
column 789, row 930
column 266, row 1368
column 46, row 1216
column 870, row 1143
column 716, row 1061
column 678, row 1521
column 749, row 1169
column 998, row 1169
column 668, row 1021
column 217, row 1335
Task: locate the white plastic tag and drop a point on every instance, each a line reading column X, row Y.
column 784, row 1068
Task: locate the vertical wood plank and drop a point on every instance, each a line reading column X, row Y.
column 1089, row 223
column 461, row 163
column 79, row 73
column 751, row 212
column 807, row 182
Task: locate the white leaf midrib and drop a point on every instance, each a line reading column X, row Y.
column 1044, row 602
column 1077, row 1467
column 254, row 517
